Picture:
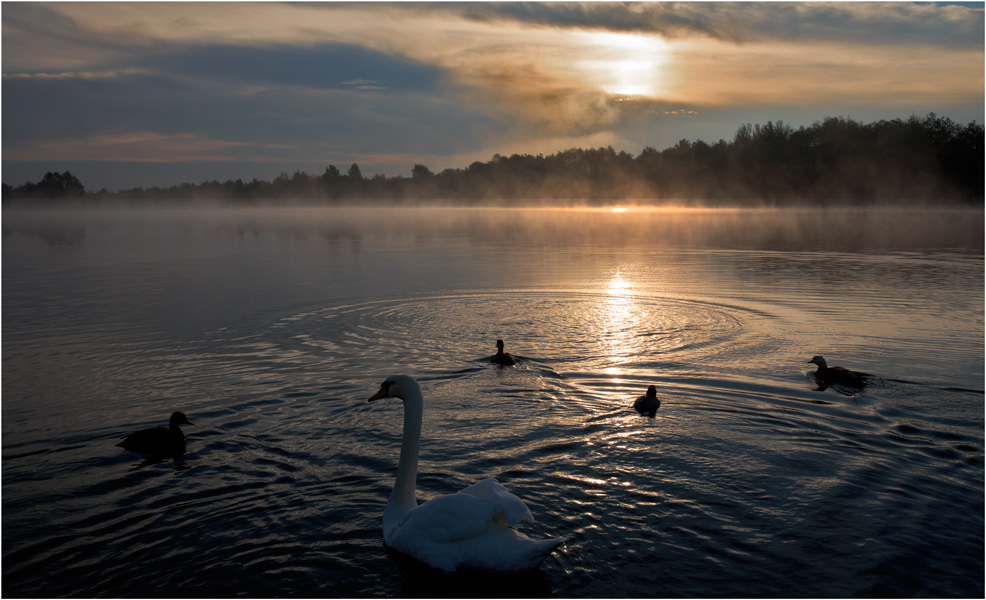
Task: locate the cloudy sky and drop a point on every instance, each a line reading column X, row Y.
column 154, row 94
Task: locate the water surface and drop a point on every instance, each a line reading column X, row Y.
column 270, row 328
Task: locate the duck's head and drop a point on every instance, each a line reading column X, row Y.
column 652, row 392
column 499, row 345
column 396, row 386
column 818, row 360
column 179, row 418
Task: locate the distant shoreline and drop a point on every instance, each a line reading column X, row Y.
column 929, row 160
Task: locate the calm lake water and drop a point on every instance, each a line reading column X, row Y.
column 271, row 328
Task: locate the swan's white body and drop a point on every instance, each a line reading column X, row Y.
column 473, row 529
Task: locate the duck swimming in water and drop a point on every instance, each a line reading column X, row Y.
column 502, row 358
column 159, row 441
column 648, row 403
column 826, row 375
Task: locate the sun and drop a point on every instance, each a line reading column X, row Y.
column 625, row 64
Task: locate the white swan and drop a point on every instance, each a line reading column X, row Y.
column 473, row 529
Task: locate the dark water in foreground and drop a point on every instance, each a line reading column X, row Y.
column 270, row 329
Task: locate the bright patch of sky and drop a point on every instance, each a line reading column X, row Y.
column 142, row 94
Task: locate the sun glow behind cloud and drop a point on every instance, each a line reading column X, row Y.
column 624, row 64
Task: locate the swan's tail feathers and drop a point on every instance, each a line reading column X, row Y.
column 541, row 549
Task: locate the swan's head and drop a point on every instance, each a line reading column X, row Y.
column 179, row 418
column 818, row 360
column 397, row 386
column 499, row 345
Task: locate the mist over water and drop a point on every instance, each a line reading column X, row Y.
column 271, row 327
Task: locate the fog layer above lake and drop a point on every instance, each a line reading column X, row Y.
column 844, row 229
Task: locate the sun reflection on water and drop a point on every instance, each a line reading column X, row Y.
column 618, row 285
column 619, row 319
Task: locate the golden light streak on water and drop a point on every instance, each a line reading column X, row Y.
column 618, row 320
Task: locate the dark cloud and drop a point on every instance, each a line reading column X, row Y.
column 220, row 88
column 33, row 33
column 960, row 24
column 330, row 66
column 294, row 107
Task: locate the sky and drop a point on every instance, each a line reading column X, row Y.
column 142, row 94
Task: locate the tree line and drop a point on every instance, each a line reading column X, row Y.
column 837, row 159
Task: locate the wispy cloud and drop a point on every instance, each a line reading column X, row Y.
column 113, row 74
column 366, row 84
column 129, row 147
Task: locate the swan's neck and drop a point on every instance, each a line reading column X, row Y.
column 402, row 498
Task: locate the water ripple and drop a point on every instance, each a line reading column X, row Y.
column 748, row 478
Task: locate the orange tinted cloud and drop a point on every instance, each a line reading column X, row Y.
column 128, row 147
column 565, row 75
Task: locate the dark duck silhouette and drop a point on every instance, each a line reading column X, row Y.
column 502, row 358
column 648, row 403
column 827, row 376
column 159, row 441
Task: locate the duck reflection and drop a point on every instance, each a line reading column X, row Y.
column 179, row 464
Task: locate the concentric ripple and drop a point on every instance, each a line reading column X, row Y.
column 567, row 331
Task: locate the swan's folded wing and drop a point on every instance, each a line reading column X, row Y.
column 448, row 518
column 509, row 509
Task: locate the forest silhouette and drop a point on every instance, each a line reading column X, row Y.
column 930, row 159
